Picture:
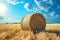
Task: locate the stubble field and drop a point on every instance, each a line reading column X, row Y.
column 14, row 32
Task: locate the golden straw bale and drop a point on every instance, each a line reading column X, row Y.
column 33, row 22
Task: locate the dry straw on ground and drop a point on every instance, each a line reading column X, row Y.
column 27, row 35
column 47, row 36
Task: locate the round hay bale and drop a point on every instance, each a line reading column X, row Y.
column 33, row 22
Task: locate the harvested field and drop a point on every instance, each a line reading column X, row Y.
column 14, row 32
column 55, row 27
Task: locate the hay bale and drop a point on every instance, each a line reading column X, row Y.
column 33, row 22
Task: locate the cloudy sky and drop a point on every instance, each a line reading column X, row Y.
column 14, row 10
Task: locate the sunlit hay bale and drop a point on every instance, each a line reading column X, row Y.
column 47, row 36
column 23, row 35
column 33, row 22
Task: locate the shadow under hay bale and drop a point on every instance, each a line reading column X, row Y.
column 53, row 31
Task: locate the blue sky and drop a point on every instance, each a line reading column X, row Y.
column 17, row 9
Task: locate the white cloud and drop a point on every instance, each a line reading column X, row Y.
column 57, row 15
column 10, row 20
column 50, row 2
column 7, row 19
column 40, row 6
column 37, row 3
column 21, row 2
column 26, row 6
column 44, row 0
column 35, row 9
column 45, row 15
column 30, row 8
column 52, row 14
column 45, row 9
column 14, row 2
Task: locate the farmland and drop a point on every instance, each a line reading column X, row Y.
column 14, row 32
column 18, row 26
column 55, row 27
